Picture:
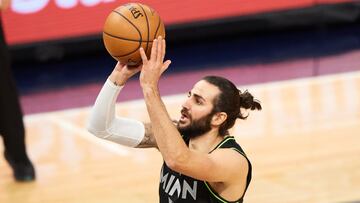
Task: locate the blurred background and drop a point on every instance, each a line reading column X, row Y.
column 58, row 44
column 301, row 58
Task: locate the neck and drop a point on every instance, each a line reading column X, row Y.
column 206, row 142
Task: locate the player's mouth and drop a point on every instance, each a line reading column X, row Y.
column 184, row 116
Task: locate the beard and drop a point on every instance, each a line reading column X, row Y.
column 196, row 127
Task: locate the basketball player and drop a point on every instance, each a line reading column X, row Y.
column 11, row 120
column 202, row 162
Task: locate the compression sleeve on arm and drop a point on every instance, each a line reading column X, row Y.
column 104, row 124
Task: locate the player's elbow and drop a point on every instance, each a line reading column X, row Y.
column 96, row 127
column 94, row 131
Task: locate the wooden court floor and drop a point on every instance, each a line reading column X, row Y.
column 304, row 146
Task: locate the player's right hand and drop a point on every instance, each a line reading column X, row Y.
column 122, row 73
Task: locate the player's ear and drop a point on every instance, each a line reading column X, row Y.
column 218, row 118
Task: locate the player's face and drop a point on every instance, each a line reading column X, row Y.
column 197, row 109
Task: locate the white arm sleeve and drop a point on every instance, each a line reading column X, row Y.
column 104, row 124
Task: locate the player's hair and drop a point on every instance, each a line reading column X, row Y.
column 231, row 100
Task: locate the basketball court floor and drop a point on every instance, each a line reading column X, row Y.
column 304, row 146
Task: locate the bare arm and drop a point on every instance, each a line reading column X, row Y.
column 208, row 167
column 220, row 166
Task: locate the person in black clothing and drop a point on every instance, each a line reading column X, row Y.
column 11, row 117
column 202, row 162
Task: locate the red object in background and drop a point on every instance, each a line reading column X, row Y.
column 28, row 21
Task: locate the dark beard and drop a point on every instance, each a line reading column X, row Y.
column 197, row 127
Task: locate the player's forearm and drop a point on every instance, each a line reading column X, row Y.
column 104, row 124
column 103, row 111
column 168, row 138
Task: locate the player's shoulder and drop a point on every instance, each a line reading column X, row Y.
column 228, row 148
column 229, row 156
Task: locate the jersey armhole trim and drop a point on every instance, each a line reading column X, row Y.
column 222, row 143
column 217, row 196
column 240, row 152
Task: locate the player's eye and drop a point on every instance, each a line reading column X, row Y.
column 189, row 94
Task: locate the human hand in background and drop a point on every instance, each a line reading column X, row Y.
column 4, row 4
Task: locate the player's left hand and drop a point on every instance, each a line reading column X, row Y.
column 122, row 73
column 153, row 68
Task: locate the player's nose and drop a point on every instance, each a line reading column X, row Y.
column 186, row 104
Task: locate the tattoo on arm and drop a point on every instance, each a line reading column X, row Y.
column 149, row 139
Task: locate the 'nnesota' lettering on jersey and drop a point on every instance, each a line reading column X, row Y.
column 178, row 188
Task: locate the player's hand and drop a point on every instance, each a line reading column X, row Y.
column 155, row 66
column 122, row 73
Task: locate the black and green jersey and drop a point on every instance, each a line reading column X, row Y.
column 175, row 187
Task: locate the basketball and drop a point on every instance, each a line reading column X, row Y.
column 129, row 27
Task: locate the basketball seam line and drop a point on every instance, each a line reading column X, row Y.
column 127, row 39
column 136, row 29
column 158, row 26
column 148, row 29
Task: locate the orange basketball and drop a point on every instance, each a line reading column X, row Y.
column 129, row 27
